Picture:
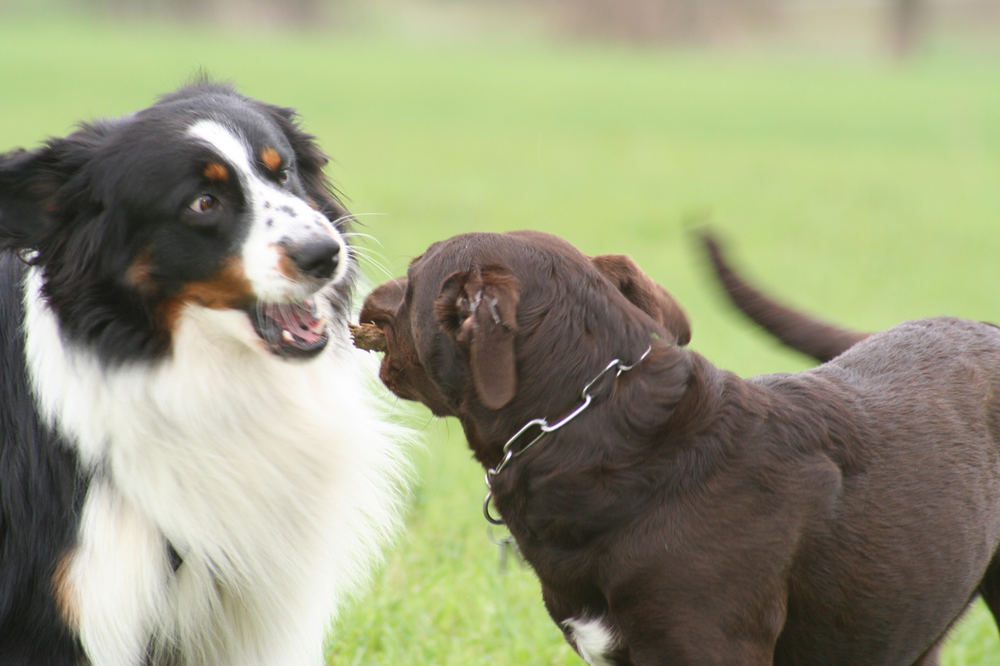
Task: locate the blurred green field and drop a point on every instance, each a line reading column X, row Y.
column 867, row 191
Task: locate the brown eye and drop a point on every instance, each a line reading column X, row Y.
column 283, row 176
column 204, row 204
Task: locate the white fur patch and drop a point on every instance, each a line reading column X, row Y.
column 118, row 576
column 592, row 639
column 277, row 217
column 277, row 482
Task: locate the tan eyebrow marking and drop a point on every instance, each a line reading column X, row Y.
column 216, row 171
column 270, row 157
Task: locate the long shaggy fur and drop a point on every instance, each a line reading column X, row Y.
column 181, row 480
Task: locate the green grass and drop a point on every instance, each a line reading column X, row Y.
column 866, row 191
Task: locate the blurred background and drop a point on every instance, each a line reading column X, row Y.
column 848, row 152
column 896, row 27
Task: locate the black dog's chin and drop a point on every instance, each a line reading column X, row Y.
column 290, row 330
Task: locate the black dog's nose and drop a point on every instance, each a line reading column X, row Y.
column 316, row 258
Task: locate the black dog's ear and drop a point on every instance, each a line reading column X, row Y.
column 39, row 188
column 479, row 307
column 310, row 161
column 645, row 294
column 30, row 182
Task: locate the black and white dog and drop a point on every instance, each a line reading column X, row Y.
column 191, row 471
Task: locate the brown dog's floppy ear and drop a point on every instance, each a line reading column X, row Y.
column 479, row 307
column 645, row 294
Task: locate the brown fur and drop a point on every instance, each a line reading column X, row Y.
column 843, row 515
column 271, row 159
column 140, row 273
column 216, row 171
column 65, row 592
column 227, row 288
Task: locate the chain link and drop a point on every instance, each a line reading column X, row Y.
column 509, row 452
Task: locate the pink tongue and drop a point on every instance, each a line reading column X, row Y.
column 298, row 321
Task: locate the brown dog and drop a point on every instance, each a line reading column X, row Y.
column 678, row 514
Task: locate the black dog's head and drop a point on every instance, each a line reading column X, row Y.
column 477, row 307
column 207, row 204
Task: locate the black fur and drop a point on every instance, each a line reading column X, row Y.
column 41, row 488
column 104, row 213
column 87, row 206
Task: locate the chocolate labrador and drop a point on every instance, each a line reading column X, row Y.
column 678, row 514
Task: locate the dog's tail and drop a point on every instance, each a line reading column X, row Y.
column 814, row 337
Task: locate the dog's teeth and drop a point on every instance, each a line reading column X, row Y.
column 287, row 336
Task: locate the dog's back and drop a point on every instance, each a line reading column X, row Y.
column 911, row 417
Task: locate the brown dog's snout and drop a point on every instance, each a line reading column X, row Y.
column 368, row 337
column 382, row 304
column 379, row 311
column 401, row 370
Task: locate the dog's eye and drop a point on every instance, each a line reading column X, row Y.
column 204, row 204
column 283, row 176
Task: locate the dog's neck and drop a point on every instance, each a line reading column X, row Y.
column 588, row 480
column 642, row 401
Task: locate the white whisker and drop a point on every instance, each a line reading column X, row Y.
column 369, row 258
column 353, row 217
column 359, row 234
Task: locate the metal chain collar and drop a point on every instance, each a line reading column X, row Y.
column 543, row 426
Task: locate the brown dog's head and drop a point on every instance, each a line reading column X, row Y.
column 478, row 313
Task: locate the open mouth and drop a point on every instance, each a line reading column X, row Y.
column 291, row 330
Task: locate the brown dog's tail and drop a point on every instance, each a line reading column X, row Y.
column 819, row 339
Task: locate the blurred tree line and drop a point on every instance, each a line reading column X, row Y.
column 285, row 12
column 901, row 24
column 674, row 21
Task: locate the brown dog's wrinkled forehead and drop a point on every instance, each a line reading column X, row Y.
column 515, row 250
column 522, row 252
column 508, row 247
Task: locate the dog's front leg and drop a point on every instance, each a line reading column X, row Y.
column 695, row 625
column 695, row 642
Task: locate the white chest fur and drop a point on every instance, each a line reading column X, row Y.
column 275, row 481
column 593, row 639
